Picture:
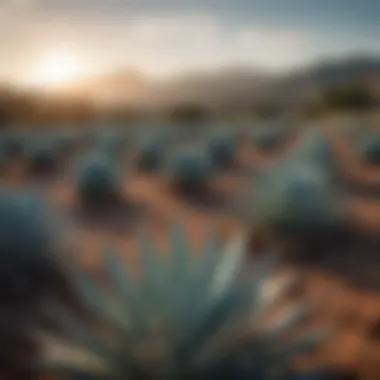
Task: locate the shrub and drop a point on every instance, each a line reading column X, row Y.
column 187, row 316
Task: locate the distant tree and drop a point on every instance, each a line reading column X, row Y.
column 350, row 96
column 188, row 113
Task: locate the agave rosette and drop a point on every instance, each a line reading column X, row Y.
column 190, row 169
column 97, row 177
column 185, row 315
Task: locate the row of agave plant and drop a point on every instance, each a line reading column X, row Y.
column 185, row 314
column 300, row 195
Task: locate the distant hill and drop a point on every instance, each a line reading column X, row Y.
column 240, row 86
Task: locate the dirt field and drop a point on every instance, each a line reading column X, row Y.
column 344, row 283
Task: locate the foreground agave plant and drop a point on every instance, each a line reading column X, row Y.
column 31, row 273
column 186, row 316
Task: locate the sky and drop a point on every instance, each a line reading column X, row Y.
column 166, row 37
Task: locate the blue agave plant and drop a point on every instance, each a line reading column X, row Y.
column 12, row 144
column 97, row 179
column 110, row 143
column 150, row 152
column 190, row 170
column 186, row 316
column 42, row 154
column 268, row 135
column 297, row 198
column 31, row 274
column 370, row 148
column 221, row 149
column 313, row 149
column 26, row 242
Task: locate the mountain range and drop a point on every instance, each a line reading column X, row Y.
column 231, row 86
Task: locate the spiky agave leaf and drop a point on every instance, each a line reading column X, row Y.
column 97, row 179
column 190, row 170
column 174, row 327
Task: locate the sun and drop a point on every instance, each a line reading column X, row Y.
column 57, row 68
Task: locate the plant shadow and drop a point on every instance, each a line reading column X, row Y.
column 115, row 215
column 347, row 254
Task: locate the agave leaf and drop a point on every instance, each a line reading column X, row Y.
column 202, row 277
column 229, row 267
column 152, row 276
column 179, row 262
column 261, row 272
column 126, row 289
column 291, row 319
column 77, row 331
column 309, row 341
column 276, row 288
column 58, row 356
column 212, row 319
column 96, row 300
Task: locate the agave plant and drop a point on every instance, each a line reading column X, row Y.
column 97, row 179
column 185, row 316
column 313, row 148
column 12, row 144
column 370, row 148
column 221, row 149
column 268, row 135
column 295, row 198
column 31, row 273
column 110, row 143
column 190, row 170
column 150, row 152
column 42, row 155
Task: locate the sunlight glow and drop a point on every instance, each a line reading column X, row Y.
column 58, row 68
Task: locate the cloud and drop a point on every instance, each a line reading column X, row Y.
column 162, row 37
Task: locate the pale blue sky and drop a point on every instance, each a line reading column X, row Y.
column 161, row 37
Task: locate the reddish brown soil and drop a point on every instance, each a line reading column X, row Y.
column 351, row 309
